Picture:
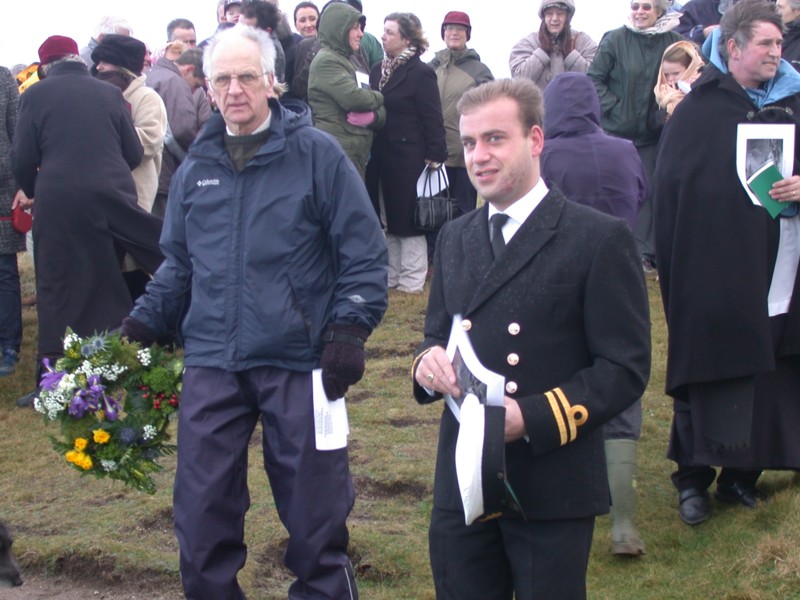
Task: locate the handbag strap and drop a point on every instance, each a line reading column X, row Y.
column 6, row 218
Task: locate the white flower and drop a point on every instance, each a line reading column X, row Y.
column 108, row 465
column 144, row 356
column 149, row 432
column 70, row 339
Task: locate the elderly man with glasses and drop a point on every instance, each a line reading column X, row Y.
column 270, row 228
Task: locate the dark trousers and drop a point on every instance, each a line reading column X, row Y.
column 692, row 474
column 508, row 557
column 10, row 303
column 313, row 490
column 643, row 231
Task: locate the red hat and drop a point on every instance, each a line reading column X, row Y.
column 455, row 17
column 55, row 47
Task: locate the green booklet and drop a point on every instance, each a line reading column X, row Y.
column 760, row 184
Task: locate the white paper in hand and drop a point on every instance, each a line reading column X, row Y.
column 330, row 417
column 469, row 457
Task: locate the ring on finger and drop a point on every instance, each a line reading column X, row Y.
column 429, row 376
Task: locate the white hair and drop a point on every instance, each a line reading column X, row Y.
column 266, row 47
column 112, row 25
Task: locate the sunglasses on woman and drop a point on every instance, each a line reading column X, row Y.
column 645, row 7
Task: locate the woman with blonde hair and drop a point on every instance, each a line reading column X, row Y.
column 680, row 66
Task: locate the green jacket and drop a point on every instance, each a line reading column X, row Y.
column 624, row 72
column 333, row 90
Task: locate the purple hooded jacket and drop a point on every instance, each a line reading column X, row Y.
column 589, row 166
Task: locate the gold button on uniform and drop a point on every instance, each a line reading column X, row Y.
column 513, row 328
column 466, row 324
column 511, row 387
column 513, row 359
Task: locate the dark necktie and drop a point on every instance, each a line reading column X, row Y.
column 496, row 233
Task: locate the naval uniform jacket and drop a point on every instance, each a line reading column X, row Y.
column 563, row 316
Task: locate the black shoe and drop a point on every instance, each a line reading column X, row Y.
column 693, row 506
column 27, row 400
column 736, row 493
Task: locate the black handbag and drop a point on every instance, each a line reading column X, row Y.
column 434, row 210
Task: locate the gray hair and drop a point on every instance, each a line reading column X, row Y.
column 266, row 47
column 68, row 58
column 740, row 19
column 112, row 25
column 661, row 6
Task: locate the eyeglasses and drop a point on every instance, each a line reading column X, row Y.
column 454, row 28
column 223, row 80
column 645, row 7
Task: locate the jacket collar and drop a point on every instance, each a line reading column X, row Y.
column 537, row 230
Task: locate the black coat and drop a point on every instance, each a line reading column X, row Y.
column 571, row 280
column 414, row 131
column 791, row 44
column 73, row 151
column 715, row 249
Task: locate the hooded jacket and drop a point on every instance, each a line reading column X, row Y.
column 529, row 59
column 333, row 89
column 457, row 72
column 272, row 253
column 589, row 166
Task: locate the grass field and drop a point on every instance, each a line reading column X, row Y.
column 87, row 529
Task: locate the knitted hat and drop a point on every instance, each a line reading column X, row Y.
column 455, row 17
column 121, row 51
column 55, row 47
column 232, row 3
column 566, row 5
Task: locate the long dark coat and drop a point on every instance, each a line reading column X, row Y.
column 11, row 242
column 414, row 131
column 716, row 253
column 73, row 152
column 568, row 298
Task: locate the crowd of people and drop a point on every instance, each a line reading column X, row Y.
column 251, row 197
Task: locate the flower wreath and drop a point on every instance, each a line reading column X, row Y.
column 113, row 400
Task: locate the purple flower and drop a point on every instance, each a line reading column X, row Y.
column 51, row 378
column 78, row 406
column 111, row 407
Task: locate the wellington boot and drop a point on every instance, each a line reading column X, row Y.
column 621, row 463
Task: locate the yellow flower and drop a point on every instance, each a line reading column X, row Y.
column 80, row 443
column 86, row 462
column 101, row 436
column 72, row 456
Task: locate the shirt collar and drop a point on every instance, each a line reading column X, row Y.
column 520, row 210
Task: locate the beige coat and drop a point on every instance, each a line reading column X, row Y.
column 150, row 119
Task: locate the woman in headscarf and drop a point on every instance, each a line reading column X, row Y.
column 680, row 66
column 412, row 138
column 624, row 72
column 556, row 48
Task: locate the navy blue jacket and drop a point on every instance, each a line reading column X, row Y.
column 589, row 166
column 697, row 15
column 272, row 254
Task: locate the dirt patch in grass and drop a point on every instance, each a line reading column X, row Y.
column 370, row 489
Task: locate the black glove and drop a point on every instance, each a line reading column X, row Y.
column 136, row 331
column 342, row 358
